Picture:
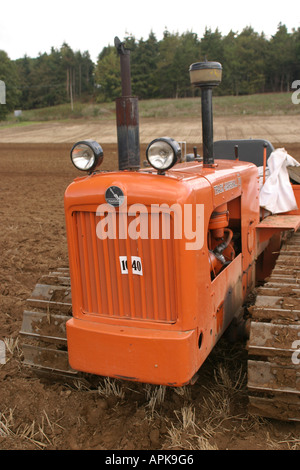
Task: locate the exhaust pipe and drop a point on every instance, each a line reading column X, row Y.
column 127, row 116
column 206, row 75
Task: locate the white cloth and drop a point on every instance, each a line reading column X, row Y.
column 277, row 194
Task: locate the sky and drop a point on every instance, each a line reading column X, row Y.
column 31, row 27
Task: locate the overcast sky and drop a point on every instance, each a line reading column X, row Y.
column 32, row 26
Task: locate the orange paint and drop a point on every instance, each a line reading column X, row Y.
column 160, row 325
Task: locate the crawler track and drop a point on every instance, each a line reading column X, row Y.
column 43, row 333
column 273, row 346
column 274, row 342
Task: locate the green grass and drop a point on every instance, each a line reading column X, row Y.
column 260, row 104
column 16, row 123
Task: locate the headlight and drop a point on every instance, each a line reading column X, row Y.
column 163, row 153
column 86, row 155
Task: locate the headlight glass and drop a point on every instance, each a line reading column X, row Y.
column 83, row 157
column 86, row 155
column 163, row 153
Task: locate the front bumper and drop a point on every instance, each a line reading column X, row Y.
column 138, row 354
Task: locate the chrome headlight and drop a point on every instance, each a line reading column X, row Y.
column 163, row 153
column 86, row 155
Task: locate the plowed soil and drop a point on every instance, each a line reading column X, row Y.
column 36, row 413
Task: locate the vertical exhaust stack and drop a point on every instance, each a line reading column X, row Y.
column 206, row 75
column 127, row 116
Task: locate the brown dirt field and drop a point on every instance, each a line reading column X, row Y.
column 274, row 128
column 52, row 415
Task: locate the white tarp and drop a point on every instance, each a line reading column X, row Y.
column 277, row 194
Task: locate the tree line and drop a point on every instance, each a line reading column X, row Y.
column 252, row 63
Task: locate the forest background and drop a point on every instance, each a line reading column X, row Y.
column 251, row 62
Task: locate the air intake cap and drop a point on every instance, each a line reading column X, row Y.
column 206, row 74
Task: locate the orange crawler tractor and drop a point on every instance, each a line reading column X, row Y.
column 163, row 258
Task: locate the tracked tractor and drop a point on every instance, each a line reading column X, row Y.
column 162, row 259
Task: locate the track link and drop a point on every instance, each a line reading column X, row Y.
column 43, row 332
column 274, row 342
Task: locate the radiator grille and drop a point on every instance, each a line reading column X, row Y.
column 106, row 291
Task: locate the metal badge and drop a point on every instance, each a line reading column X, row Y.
column 114, row 196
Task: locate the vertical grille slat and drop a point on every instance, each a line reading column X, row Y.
column 105, row 291
column 86, row 264
column 96, row 265
column 130, row 277
column 119, row 281
column 167, row 281
column 154, row 280
column 142, row 282
column 107, row 276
